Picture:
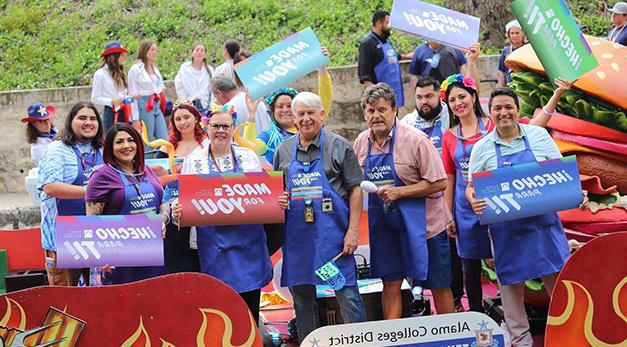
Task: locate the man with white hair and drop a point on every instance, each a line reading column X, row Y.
column 618, row 34
column 323, row 203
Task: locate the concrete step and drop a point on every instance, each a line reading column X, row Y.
column 18, row 212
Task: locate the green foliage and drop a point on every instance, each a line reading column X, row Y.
column 56, row 43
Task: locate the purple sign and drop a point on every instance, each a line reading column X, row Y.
column 87, row 241
column 435, row 23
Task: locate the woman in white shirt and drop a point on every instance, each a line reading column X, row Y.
column 145, row 80
column 229, row 50
column 192, row 82
column 109, row 88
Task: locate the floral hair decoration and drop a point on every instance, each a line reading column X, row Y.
column 215, row 108
column 467, row 81
column 271, row 98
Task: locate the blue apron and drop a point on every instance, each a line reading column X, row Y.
column 435, row 134
column 388, row 70
column 398, row 235
column 472, row 238
column 308, row 246
column 87, row 164
column 139, row 197
column 235, row 254
column 531, row 247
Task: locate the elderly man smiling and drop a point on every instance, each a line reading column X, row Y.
column 323, row 205
column 407, row 215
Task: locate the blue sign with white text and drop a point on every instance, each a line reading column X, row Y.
column 530, row 189
column 435, row 23
column 281, row 63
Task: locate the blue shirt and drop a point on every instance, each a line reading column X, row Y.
column 507, row 50
column 450, row 61
column 57, row 164
column 483, row 155
column 618, row 35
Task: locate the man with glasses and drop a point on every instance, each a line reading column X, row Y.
column 323, row 205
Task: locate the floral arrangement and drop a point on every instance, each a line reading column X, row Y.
column 457, row 78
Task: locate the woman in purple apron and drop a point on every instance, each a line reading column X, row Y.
column 125, row 186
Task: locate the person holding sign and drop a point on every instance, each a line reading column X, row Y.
column 235, row 254
column 64, row 169
column 618, row 34
column 282, row 125
column 323, row 205
column 378, row 59
column 470, row 125
column 528, row 248
column 126, row 186
column 516, row 38
column 407, row 215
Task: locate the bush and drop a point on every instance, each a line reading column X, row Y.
column 56, row 43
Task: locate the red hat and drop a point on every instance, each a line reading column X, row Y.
column 38, row 111
column 113, row 47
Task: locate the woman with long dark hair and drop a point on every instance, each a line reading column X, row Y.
column 470, row 124
column 110, row 88
column 144, row 79
column 193, row 80
column 229, row 51
column 124, row 185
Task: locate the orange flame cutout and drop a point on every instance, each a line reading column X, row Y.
column 576, row 324
column 11, row 320
column 211, row 329
column 139, row 338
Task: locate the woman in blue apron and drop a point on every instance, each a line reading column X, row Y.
column 398, row 240
column 235, row 254
column 124, row 186
column 388, row 70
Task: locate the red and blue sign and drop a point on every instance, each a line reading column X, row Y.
column 117, row 240
column 527, row 190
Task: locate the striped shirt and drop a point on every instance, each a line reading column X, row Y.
column 57, row 164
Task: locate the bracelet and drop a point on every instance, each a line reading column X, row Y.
column 547, row 112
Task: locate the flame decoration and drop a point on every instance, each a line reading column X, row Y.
column 203, row 339
column 587, row 325
column 165, row 343
column 9, row 320
column 136, row 339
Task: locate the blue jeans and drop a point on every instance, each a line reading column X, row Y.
column 107, row 118
column 156, row 127
column 306, row 307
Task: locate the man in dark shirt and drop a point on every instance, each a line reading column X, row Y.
column 432, row 59
column 618, row 34
column 378, row 60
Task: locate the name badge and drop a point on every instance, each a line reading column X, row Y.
column 309, row 211
column 327, row 205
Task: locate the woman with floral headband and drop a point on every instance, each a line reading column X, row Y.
column 470, row 125
column 235, row 254
column 279, row 105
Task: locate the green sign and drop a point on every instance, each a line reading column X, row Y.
column 555, row 37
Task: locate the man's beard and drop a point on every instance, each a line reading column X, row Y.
column 431, row 114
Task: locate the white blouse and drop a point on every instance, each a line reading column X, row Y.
column 140, row 82
column 194, row 84
column 226, row 70
column 104, row 90
column 198, row 161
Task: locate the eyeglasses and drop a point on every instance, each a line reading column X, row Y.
column 216, row 127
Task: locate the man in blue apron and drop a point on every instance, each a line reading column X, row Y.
column 528, row 248
column 431, row 114
column 323, row 205
column 64, row 170
column 378, row 59
column 407, row 216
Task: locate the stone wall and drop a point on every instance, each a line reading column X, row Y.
column 345, row 116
